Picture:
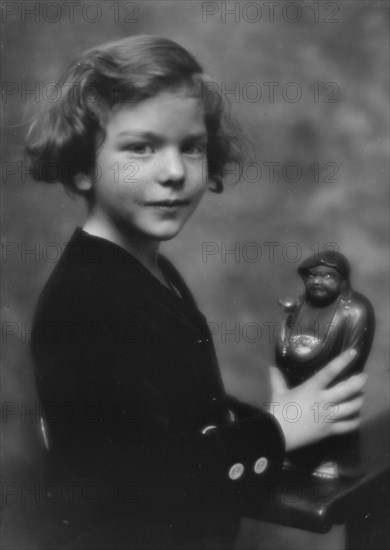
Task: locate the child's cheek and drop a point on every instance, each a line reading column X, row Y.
column 133, row 193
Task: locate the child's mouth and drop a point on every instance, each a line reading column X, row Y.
column 168, row 205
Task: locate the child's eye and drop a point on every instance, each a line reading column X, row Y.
column 140, row 148
column 193, row 149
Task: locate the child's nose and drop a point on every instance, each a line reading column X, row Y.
column 172, row 168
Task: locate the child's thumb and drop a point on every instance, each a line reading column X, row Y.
column 277, row 381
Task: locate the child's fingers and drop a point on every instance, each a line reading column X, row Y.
column 345, row 390
column 277, row 381
column 333, row 369
column 345, row 426
column 348, row 408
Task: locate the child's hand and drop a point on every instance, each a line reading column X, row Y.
column 310, row 412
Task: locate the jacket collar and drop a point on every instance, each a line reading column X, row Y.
column 108, row 261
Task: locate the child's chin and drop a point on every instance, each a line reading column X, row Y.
column 166, row 236
column 167, row 230
column 167, row 233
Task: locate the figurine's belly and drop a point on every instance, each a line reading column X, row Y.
column 304, row 345
column 307, row 341
column 303, row 355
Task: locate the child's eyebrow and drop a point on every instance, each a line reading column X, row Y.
column 157, row 137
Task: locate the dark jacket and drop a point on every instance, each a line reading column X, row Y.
column 128, row 378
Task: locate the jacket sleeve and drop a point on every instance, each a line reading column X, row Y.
column 94, row 360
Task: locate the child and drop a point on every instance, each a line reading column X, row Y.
column 122, row 353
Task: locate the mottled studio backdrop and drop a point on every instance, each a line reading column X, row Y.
column 309, row 83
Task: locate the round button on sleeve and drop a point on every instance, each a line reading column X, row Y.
column 260, row 465
column 236, row 471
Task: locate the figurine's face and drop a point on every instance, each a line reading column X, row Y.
column 323, row 284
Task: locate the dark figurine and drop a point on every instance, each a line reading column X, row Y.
column 328, row 319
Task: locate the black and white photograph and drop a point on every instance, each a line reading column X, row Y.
column 195, row 275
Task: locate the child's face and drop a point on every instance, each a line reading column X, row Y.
column 150, row 166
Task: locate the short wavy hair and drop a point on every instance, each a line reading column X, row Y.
column 63, row 138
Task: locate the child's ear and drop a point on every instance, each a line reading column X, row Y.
column 215, row 184
column 83, row 182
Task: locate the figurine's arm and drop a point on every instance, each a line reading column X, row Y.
column 360, row 331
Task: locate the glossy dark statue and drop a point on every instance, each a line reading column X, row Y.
column 329, row 318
